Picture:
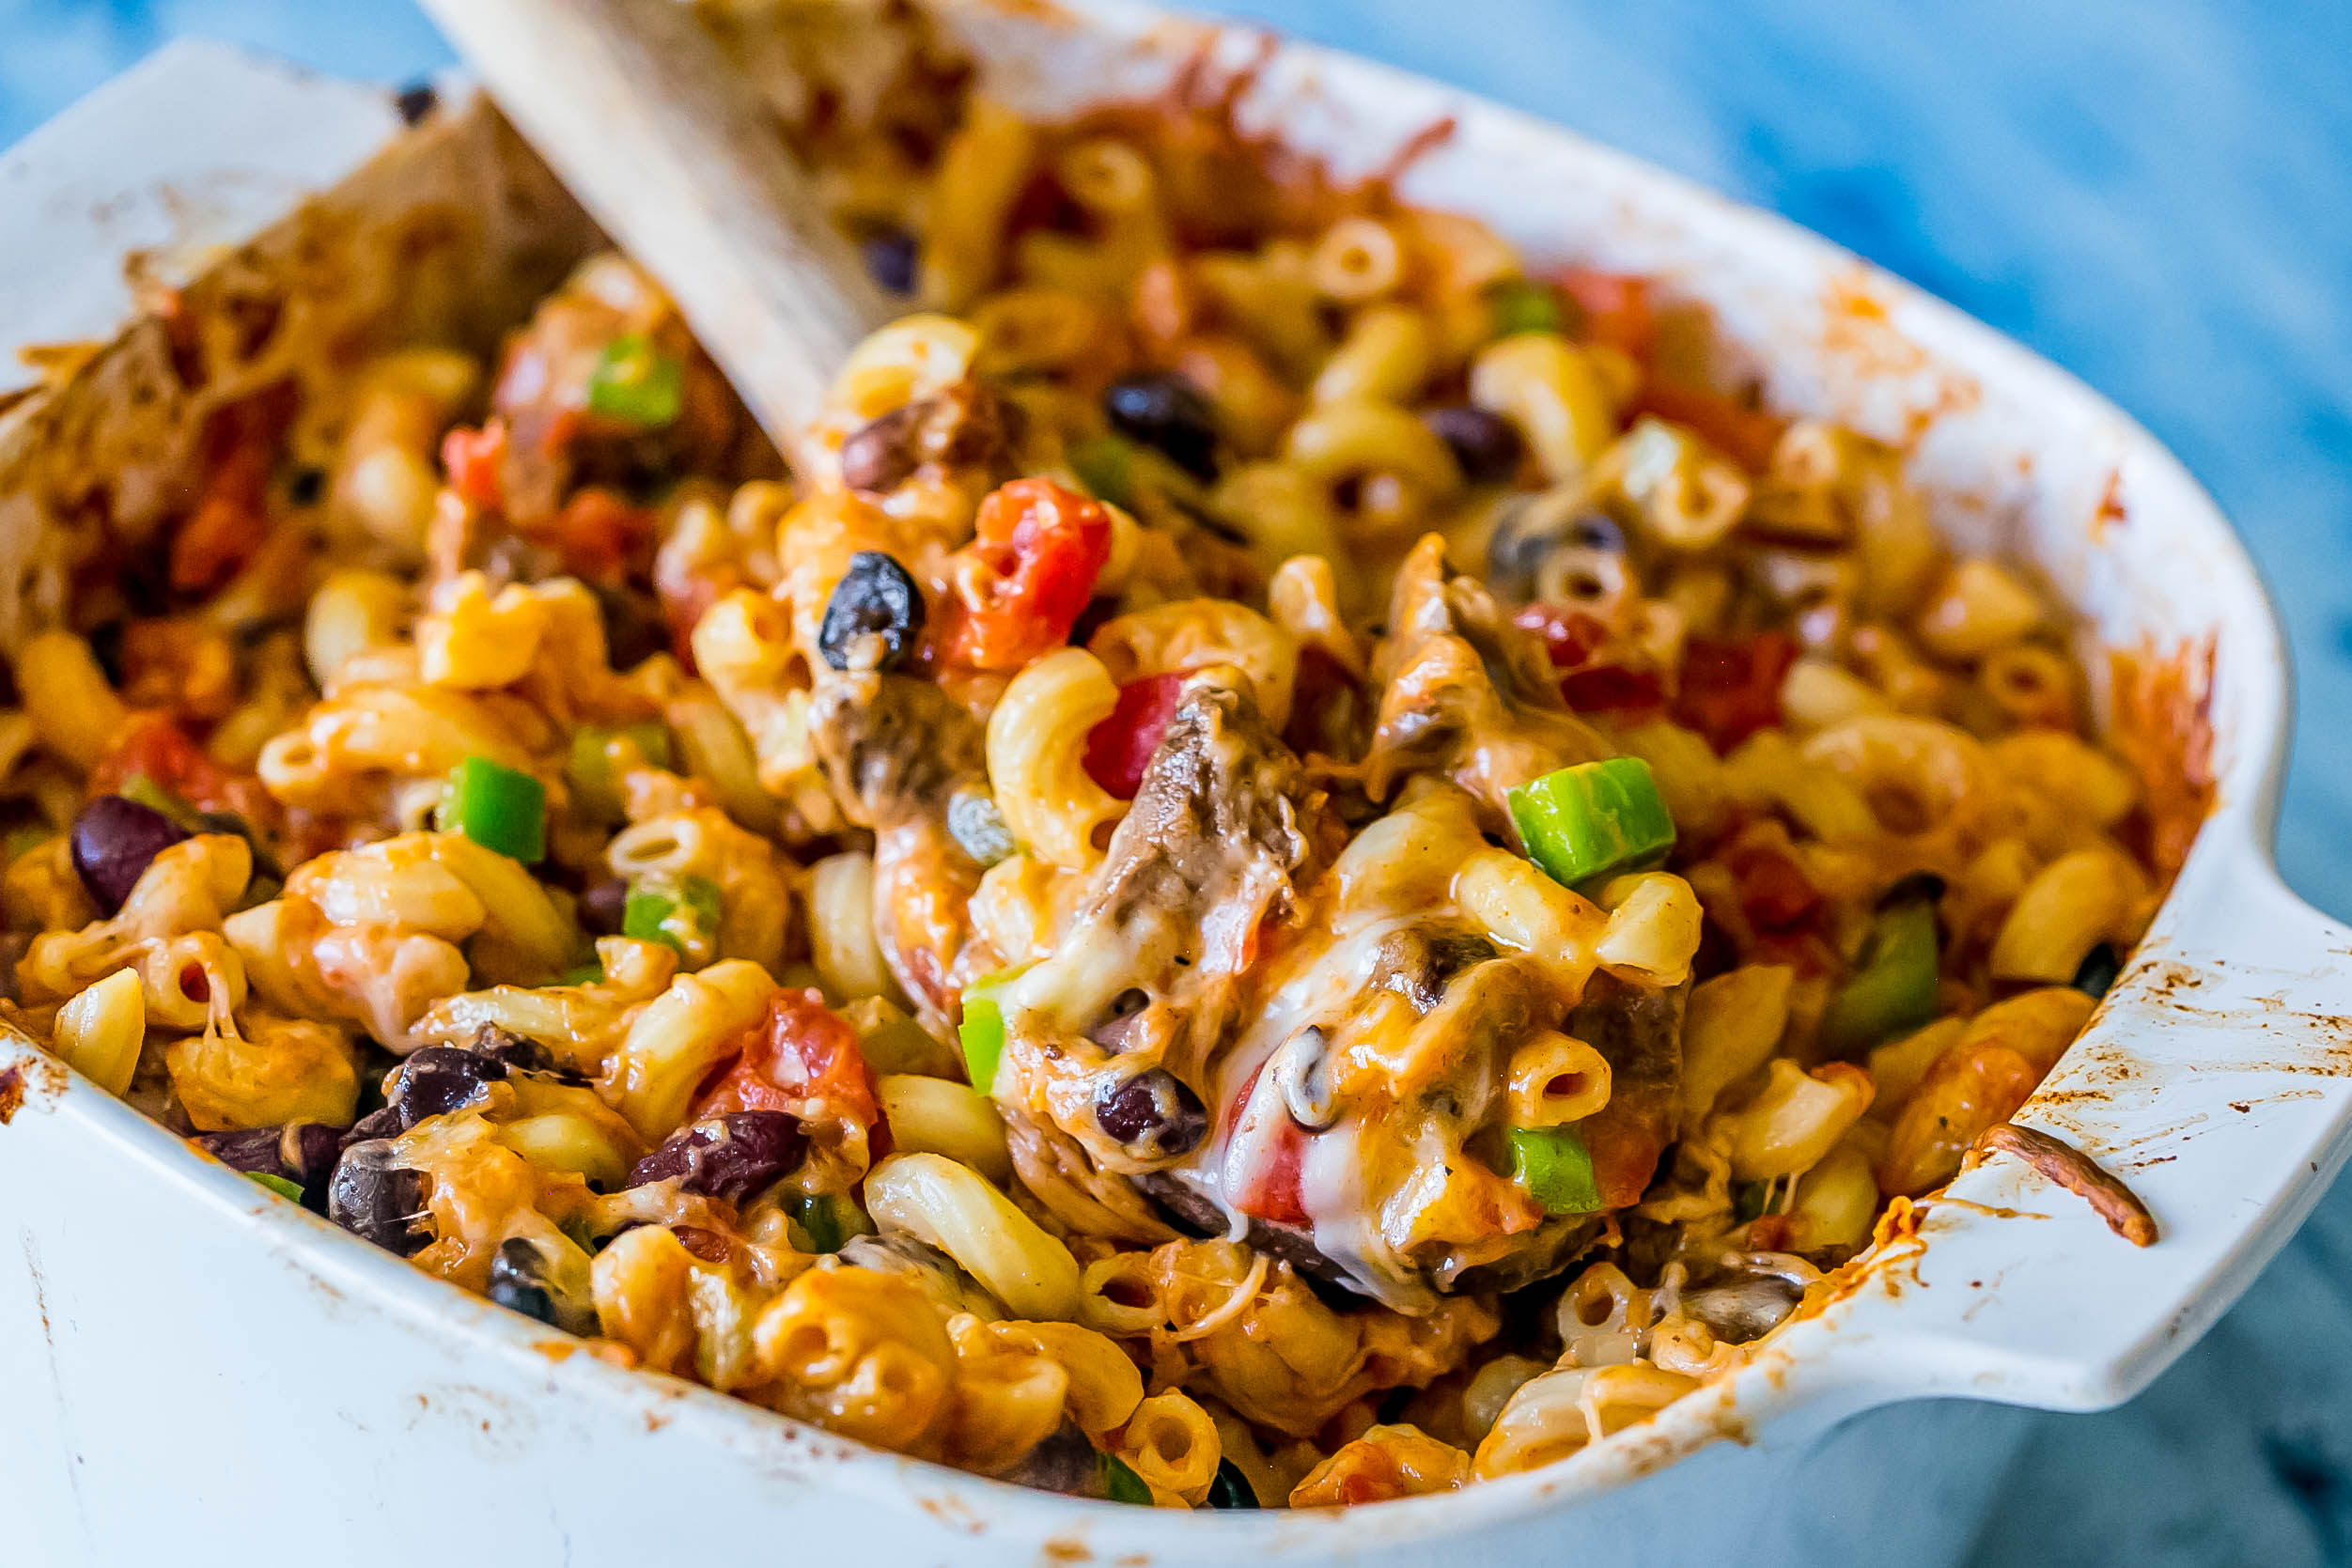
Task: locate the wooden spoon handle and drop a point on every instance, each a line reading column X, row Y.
column 672, row 151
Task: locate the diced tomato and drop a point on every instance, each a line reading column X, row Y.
column 803, row 1059
column 599, row 535
column 1570, row 636
column 1801, row 947
column 1267, row 1187
column 1120, row 748
column 1041, row 547
column 1731, row 690
column 1611, row 689
column 160, row 748
column 474, row 460
column 231, row 515
column 1616, row 309
column 1746, row 435
column 1774, row 891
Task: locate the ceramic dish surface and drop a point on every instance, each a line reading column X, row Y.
column 146, row 1296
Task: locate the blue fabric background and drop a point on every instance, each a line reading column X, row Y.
column 2157, row 194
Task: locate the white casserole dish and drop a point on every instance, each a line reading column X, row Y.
column 189, row 1366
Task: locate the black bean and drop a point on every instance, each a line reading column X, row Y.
column 1487, row 446
column 251, row 1150
column 519, row 1054
column 879, row 455
column 528, row 1276
column 634, row 627
column 1231, row 1489
column 379, row 1201
column 2100, row 966
column 1153, row 1115
column 106, row 641
column 891, row 257
column 438, row 1080
column 875, row 616
column 733, row 1156
column 415, row 101
column 604, row 905
column 113, row 841
column 1066, row 1462
column 1163, row 410
column 514, row 1282
column 303, row 1152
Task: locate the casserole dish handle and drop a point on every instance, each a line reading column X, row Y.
column 2228, row 1039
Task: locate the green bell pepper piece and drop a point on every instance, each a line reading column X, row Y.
column 1556, row 1168
column 496, row 807
column 1892, row 990
column 594, row 781
column 636, row 383
column 1594, row 820
column 677, row 914
column 1106, row 466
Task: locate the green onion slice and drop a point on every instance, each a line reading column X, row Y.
column 278, row 1185
column 1120, row 1482
column 1594, row 820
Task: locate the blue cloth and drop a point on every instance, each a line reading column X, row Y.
column 2153, row 192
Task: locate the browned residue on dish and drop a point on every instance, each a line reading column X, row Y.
column 1857, row 329
column 2163, row 723
column 2111, row 513
column 2074, row 1171
column 1895, row 1250
column 11, row 1093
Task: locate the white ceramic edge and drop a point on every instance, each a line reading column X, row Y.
column 1877, row 1345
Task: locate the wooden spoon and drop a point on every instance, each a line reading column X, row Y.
column 635, row 106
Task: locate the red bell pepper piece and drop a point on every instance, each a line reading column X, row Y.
column 1042, row 547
